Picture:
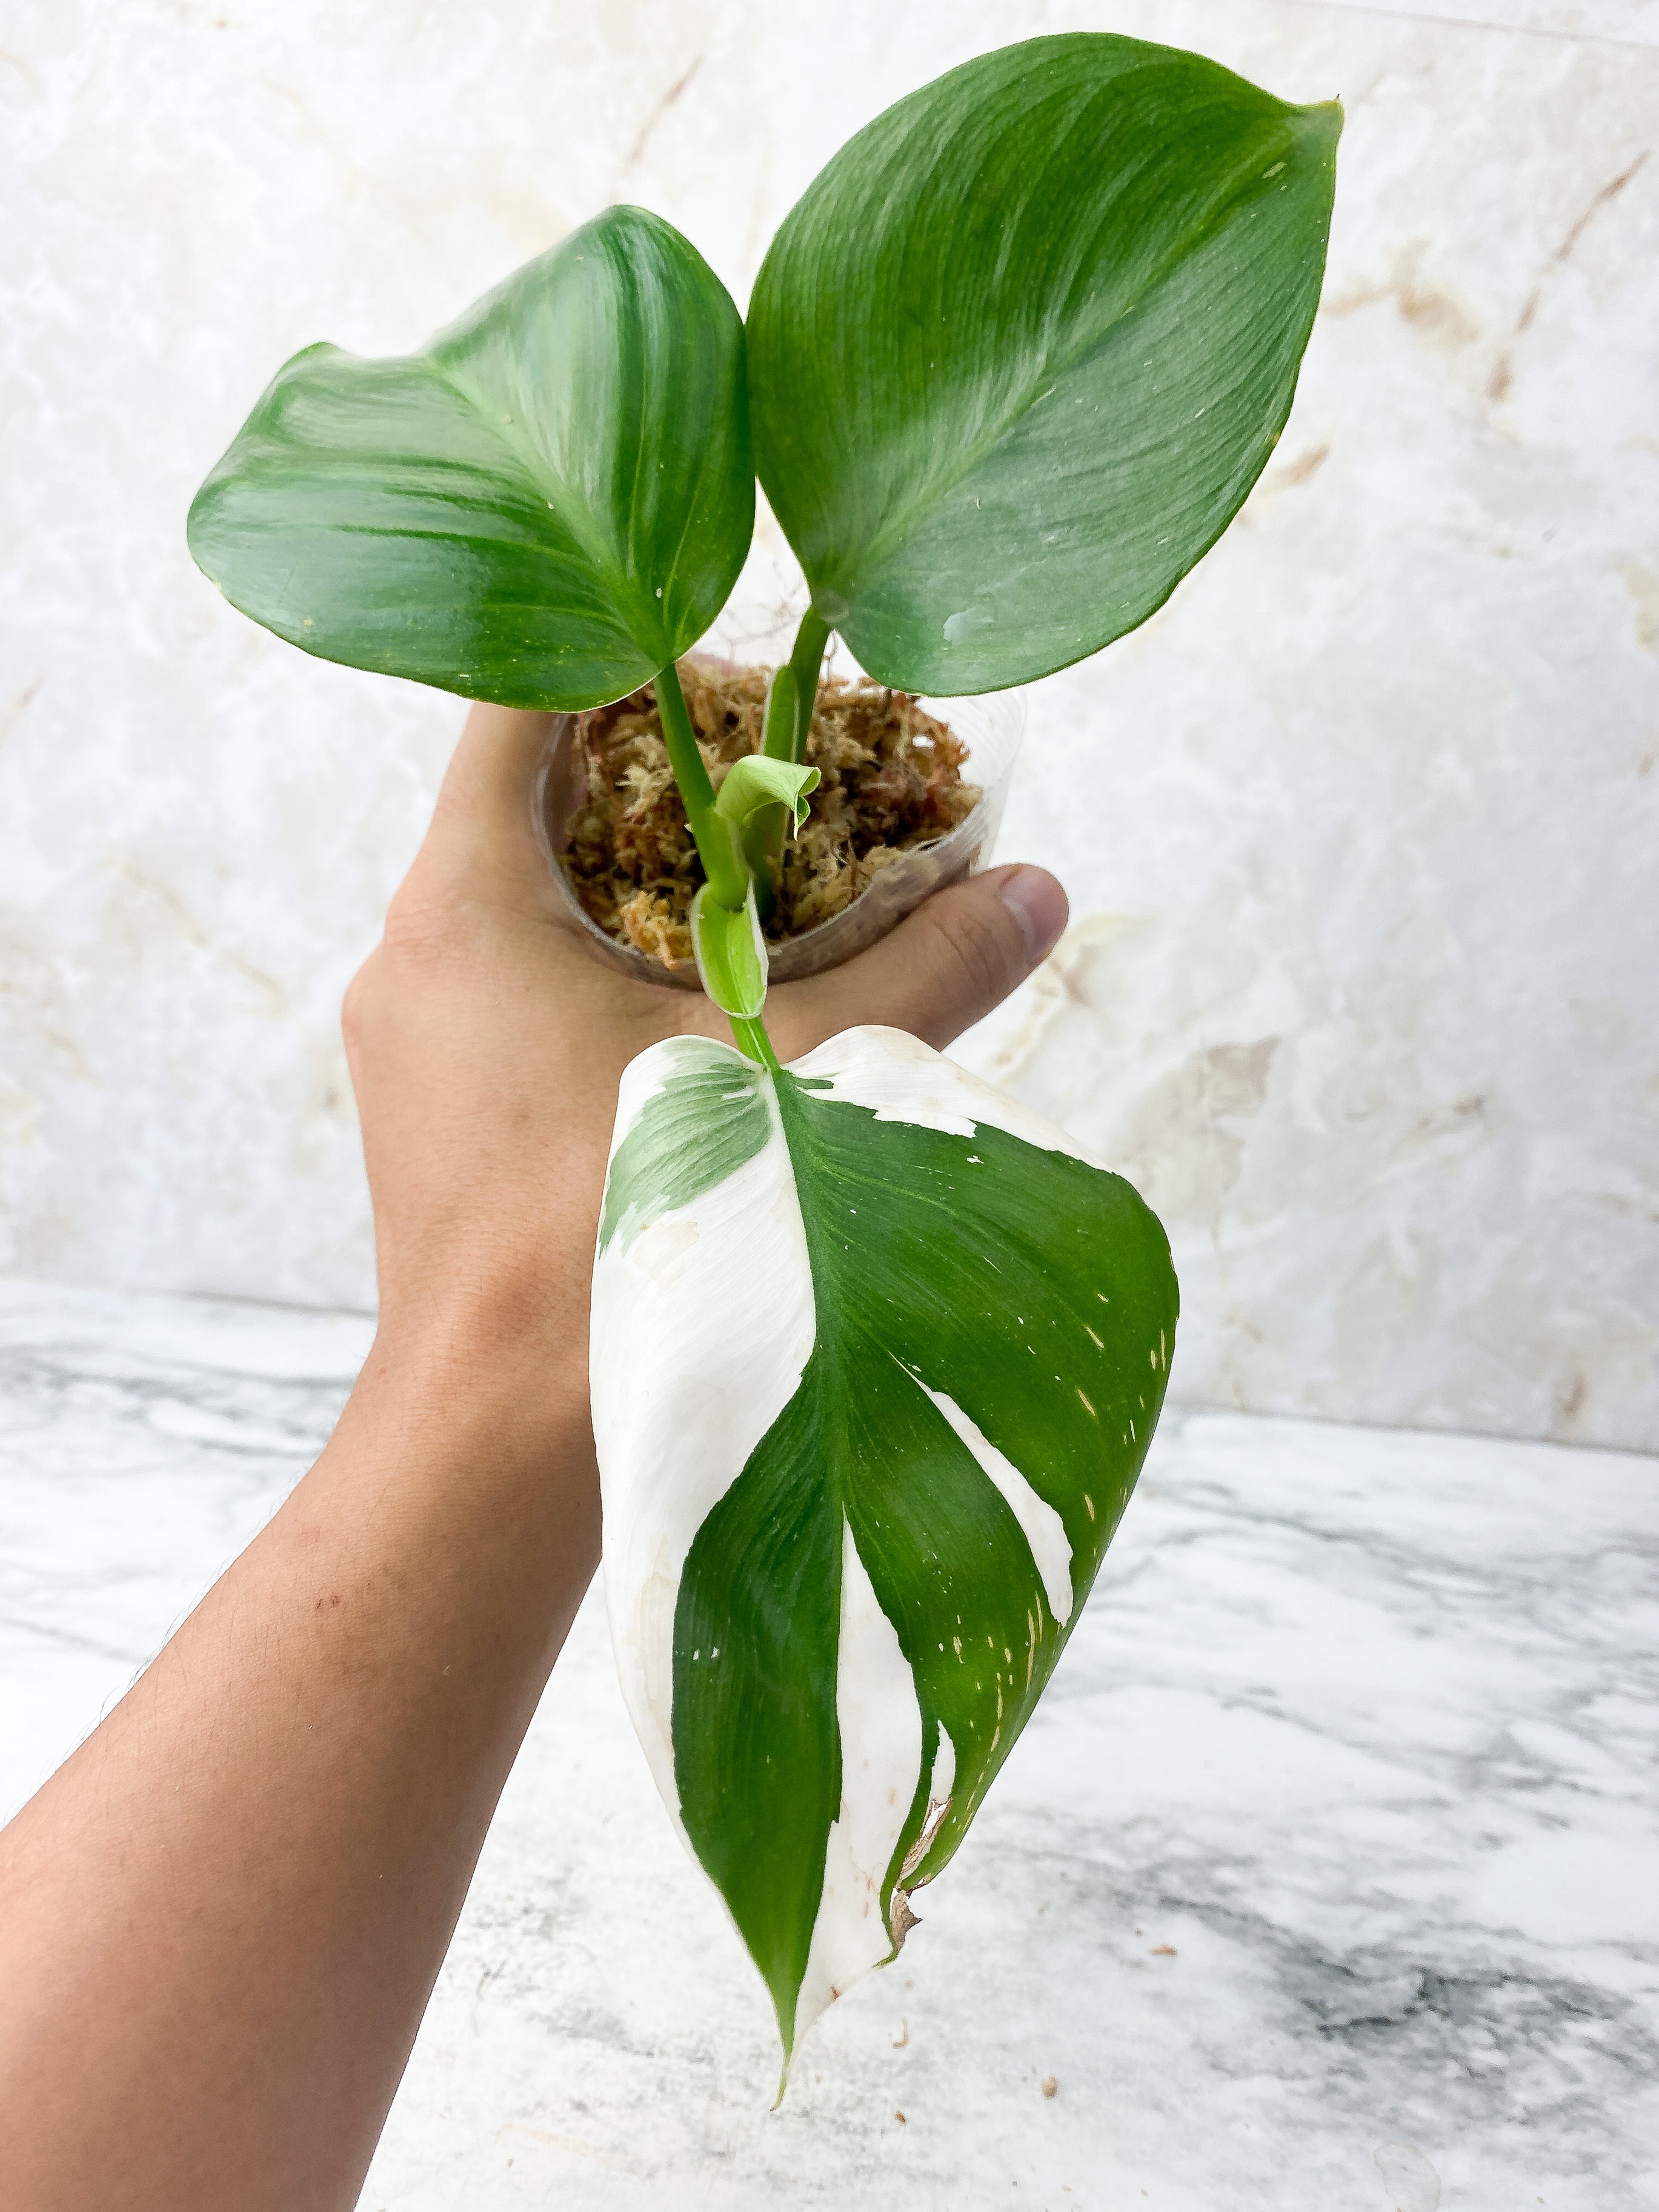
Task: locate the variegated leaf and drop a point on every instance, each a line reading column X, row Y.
column 877, row 1354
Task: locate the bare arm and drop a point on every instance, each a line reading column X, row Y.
column 221, row 1920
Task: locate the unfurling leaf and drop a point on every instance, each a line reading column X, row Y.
column 877, row 1354
column 754, row 781
column 1023, row 347
column 543, row 508
column 731, row 953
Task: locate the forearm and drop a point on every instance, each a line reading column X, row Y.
column 221, row 1921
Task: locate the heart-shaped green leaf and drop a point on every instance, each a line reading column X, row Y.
column 905, row 1348
column 1022, row 349
column 543, row 508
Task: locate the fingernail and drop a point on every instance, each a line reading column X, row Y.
column 1038, row 905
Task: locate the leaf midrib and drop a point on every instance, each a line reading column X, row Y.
column 845, row 1323
column 523, row 454
column 889, row 542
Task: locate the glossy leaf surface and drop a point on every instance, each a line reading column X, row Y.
column 1022, row 349
column 906, row 1349
column 543, row 507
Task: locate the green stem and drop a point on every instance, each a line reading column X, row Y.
column 806, row 665
column 762, row 840
column 778, row 739
column 763, row 848
column 752, row 1039
column 717, row 846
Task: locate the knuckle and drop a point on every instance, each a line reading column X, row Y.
column 420, row 935
column 423, row 946
column 356, row 1006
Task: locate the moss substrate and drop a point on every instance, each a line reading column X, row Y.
column 892, row 780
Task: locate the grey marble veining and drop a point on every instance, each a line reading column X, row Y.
column 1619, row 22
column 1323, row 1876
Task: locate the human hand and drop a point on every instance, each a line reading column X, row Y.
column 487, row 1042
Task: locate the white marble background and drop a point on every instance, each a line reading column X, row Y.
column 1322, row 1881
column 1360, row 831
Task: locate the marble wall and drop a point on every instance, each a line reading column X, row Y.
column 1359, row 831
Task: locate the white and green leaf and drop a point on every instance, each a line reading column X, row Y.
column 877, row 1354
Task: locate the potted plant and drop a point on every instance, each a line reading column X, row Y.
column 877, row 1354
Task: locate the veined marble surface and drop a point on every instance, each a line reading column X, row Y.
column 1364, row 984
column 1323, row 1877
column 1619, row 22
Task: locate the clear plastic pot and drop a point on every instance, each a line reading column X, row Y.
column 991, row 728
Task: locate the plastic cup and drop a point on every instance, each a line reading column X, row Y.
column 990, row 726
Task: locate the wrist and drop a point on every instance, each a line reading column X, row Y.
column 492, row 1351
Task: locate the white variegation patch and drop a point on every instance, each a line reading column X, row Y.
column 902, row 1079
column 1044, row 1530
column 880, row 1724
column 702, row 1327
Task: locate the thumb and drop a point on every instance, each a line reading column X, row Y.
column 944, row 967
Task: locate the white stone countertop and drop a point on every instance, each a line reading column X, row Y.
column 1326, row 1875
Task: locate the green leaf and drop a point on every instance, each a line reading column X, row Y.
column 753, row 781
column 906, row 1349
column 1022, row 349
column 730, row 952
column 543, row 508
column 764, row 800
